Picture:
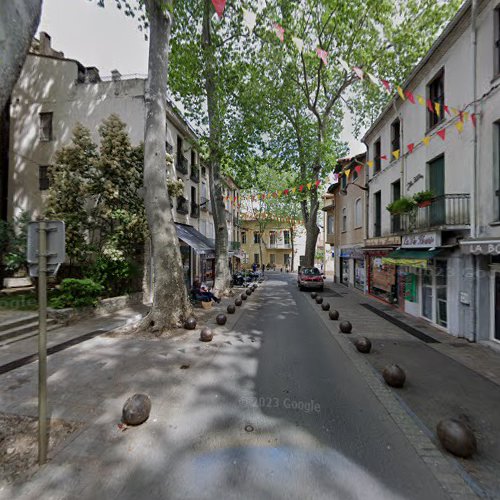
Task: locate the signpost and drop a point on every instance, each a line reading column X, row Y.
column 46, row 252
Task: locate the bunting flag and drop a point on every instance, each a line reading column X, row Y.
column 430, row 107
column 370, row 163
column 219, row 7
column 359, row 72
column 358, row 168
column 299, row 43
column 250, row 19
column 421, row 100
column 280, row 31
column 294, row 189
column 387, row 85
column 400, row 92
column 437, row 107
column 473, row 119
column 318, row 182
column 301, row 188
column 396, row 154
column 309, row 184
column 460, row 126
column 383, row 157
column 442, row 133
column 411, row 147
column 426, row 140
column 347, row 172
column 344, row 65
column 465, row 115
column 285, row 192
column 323, row 55
column 410, row 96
column 447, row 110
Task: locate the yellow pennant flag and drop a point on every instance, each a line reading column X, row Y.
column 293, row 190
column 347, row 172
column 421, row 100
column 370, row 163
column 460, row 126
column 454, row 111
column 396, row 154
column 437, row 107
column 279, row 194
column 426, row 140
column 309, row 184
column 465, row 115
column 400, row 92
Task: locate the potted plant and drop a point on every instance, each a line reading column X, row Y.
column 423, row 198
column 402, row 205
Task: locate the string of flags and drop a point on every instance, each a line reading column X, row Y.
column 440, row 109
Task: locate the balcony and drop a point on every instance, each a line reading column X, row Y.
column 182, row 165
column 195, row 210
column 446, row 211
column 279, row 245
column 195, row 174
column 182, row 205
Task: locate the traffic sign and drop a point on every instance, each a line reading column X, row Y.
column 56, row 246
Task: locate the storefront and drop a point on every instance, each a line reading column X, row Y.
column 352, row 267
column 359, row 273
column 382, row 276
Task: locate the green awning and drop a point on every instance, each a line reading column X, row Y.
column 412, row 258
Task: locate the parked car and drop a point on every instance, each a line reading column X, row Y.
column 310, row 277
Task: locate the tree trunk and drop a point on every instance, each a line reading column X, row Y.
column 170, row 302
column 19, row 21
column 222, row 271
column 312, row 230
column 292, row 235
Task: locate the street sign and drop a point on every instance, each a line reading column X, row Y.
column 56, row 246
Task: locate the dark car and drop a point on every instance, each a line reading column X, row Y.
column 310, row 277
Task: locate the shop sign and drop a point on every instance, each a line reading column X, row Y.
column 351, row 253
column 421, row 240
column 388, row 241
column 490, row 248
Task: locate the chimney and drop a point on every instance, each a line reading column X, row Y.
column 116, row 76
column 45, row 48
column 92, row 75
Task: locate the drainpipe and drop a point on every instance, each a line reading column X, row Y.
column 474, row 192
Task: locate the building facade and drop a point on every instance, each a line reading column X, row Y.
column 438, row 260
column 52, row 95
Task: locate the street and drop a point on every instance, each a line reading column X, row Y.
column 272, row 408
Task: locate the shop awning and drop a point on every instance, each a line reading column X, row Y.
column 412, row 258
column 197, row 241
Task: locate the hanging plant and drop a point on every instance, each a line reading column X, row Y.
column 175, row 188
column 402, row 206
column 423, row 198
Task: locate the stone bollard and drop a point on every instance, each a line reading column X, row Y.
column 136, row 409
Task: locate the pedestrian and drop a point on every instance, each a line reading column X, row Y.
column 263, row 268
column 254, row 267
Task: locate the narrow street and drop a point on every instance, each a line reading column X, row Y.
column 272, row 408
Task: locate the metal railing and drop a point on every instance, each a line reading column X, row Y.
column 445, row 210
column 182, row 165
column 279, row 245
column 204, row 203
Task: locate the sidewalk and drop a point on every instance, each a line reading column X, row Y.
column 446, row 376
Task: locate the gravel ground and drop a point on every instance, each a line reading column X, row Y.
column 19, row 445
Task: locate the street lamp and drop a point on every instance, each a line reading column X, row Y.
column 343, row 192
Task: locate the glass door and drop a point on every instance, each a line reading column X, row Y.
column 427, row 294
column 441, row 294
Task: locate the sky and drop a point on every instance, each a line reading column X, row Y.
column 107, row 39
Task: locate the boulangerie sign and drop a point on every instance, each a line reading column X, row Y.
column 421, row 240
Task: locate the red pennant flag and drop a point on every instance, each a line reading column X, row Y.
column 301, row 188
column 411, row 147
column 387, row 85
column 285, row 191
column 410, row 97
column 383, row 157
column 280, row 31
column 461, row 113
column 473, row 117
column 447, row 109
column 318, row 182
column 358, row 168
column 430, row 107
column 442, row 133
column 219, row 6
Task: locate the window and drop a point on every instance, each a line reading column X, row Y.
column 243, row 238
column 272, row 258
column 45, row 126
column 358, row 216
column 496, row 159
column 497, row 40
column 286, row 237
column 343, row 182
column 377, row 153
column 330, row 224
column 435, row 94
column 179, row 148
column 344, row 219
column 396, row 194
column 193, row 157
column 377, row 216
column 256, row 237
column 272, row 237
column 43, row 177
column 256, row 258
column 354, row 174
column 396, row 135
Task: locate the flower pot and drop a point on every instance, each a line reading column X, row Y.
column 425, row 203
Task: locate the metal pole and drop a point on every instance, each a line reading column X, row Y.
column 42, row 342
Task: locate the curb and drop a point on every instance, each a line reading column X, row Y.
column 454, row 481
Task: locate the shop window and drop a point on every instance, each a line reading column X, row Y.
column 377, row 153
column 45, row 126
column 396, row 135
column 358, row 216
column 256, row 237
column 435, row 94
